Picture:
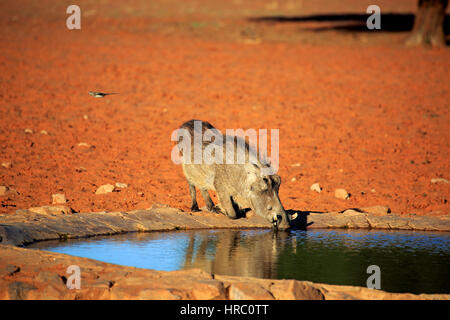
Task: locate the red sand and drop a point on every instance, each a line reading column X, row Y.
column 354, row 113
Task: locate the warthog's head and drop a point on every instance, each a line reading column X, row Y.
column 263, row 195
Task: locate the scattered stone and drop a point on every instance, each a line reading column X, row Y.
column 341, row 170
column 341, row 194
column 293, row 179
column 377, row 210
column 4, row 191
column 44, row 132
column 140, row 194
column 28, row 131
column 296, row 165
column 80, row 169
column 437, row 180
column 252, row 41
column 373, row 190
column 104, row 189
column 6, row 165
column 84, row 144
column 58, row 198
column 121, row 185
column 316, row 187
column 85, row 117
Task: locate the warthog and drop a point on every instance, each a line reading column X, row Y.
column 239, row 184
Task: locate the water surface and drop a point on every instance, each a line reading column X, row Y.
column 410, row 261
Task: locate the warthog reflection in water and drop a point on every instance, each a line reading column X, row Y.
column 236, row 253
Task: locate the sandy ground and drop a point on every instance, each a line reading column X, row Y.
column 355, row 109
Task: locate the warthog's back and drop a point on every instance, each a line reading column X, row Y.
column 201, row 175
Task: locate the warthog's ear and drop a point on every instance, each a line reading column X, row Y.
column 253, row 179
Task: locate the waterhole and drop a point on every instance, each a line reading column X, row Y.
column 416, row 262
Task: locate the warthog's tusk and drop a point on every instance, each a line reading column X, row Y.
column 294, row 216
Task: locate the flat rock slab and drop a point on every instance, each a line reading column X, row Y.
column 353, row 219
column 25, row 227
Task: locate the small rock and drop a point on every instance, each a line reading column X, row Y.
column 85, row 117
column 58, row 198
column 341, row 194
column 437, row 180
column 121, row 185
column 316, row 187
column 140, row 194
column 104, row 189
column 373, row 190
column 341, row 170
column 28, row 131
column 44, row 132
column 293, row 179
column 351, row 212
column 296, row 165
column 4, row 190
column 80, row 169
column 6, row 165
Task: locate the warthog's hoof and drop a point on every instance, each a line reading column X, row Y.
column 215, row 209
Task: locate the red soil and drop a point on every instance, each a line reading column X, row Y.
column 359, row 112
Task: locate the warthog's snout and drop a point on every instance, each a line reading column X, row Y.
column 279, row 220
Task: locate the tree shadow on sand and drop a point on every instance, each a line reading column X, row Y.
column 390, row 22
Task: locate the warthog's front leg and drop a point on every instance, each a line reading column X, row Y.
column 194, row 205
column 208, row 201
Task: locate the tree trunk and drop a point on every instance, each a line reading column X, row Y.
column 429, row 24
